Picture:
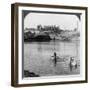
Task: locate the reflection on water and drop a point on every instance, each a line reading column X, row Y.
column 38, row 57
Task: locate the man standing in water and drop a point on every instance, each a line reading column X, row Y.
column 55, row 58
column 72, row 63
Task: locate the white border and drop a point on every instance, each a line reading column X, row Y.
column 51, row 78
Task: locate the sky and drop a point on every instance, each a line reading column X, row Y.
column 64, row 21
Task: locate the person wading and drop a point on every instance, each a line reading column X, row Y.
column 55, row 58
column 72, row 63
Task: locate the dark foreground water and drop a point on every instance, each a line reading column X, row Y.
column 38, row 57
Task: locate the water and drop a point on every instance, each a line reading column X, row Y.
column 38, row 57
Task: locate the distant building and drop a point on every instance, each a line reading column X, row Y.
column 32, row 30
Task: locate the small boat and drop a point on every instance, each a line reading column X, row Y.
column 58, row 58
